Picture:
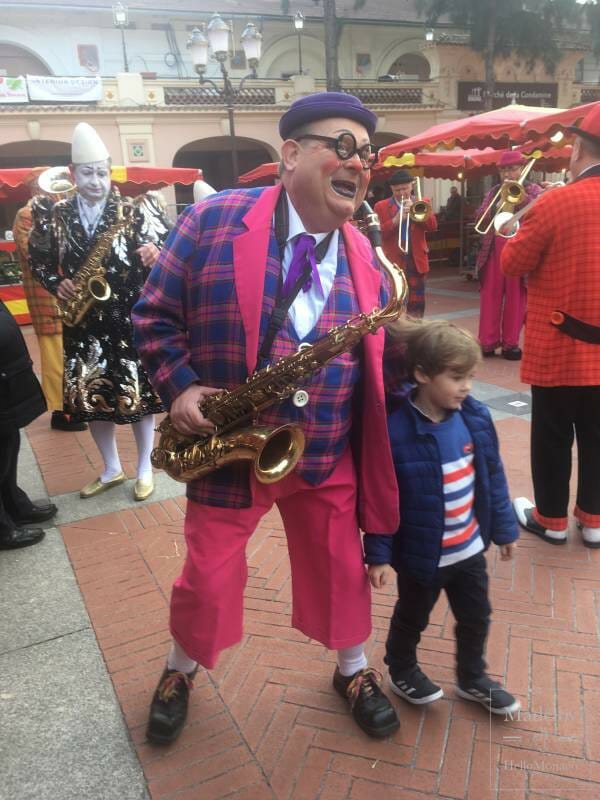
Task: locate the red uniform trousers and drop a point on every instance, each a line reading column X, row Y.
column 330, row 590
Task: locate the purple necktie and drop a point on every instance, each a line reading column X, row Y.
column 302, row 255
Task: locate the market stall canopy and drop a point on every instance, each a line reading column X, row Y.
column 130, row 180
column 513, row 124
column 260, row 176
column 458, row 164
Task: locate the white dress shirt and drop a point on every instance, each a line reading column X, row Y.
column 89, row 214
column 308, row 306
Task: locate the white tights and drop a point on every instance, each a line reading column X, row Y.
column 103, row 434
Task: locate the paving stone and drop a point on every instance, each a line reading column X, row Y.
column 65, row 738
column 266, row 722
column 518, row 404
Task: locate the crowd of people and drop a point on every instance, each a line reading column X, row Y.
column 245, row 280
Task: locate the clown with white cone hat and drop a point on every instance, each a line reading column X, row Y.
column 202, row 190
column 104, row 381
column 87, row 147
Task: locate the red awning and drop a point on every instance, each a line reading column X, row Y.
column 130, row 180
column 454, row 164
column 260, row 176
column 513, row 124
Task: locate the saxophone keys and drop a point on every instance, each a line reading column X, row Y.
column 300, row 398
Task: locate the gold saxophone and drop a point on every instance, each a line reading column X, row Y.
column 274, row 451
column 90, row 282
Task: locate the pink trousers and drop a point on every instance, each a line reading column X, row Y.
column 502, row 305
column 330, row 590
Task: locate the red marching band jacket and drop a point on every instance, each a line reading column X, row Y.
column 386, row 210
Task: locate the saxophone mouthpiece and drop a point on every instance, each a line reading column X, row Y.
column 372, row 221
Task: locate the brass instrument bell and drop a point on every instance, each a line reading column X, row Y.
column 510, row 194
column 57, row 183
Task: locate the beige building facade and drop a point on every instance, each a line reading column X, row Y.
column 157, row 114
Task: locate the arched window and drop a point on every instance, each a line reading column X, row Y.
column 411, row 65
column 18, row 61
column 587, row 70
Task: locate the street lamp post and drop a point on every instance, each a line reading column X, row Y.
column 299, row 24
column 216, row 38
column 121, row 20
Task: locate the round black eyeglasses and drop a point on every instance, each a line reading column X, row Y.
column 345, row 147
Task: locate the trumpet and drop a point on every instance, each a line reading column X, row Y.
column 510, row 194
column 418, row 212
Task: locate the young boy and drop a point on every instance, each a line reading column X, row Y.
column 454, row 500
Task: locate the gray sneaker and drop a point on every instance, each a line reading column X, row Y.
column 490, row 694
column 415, row 687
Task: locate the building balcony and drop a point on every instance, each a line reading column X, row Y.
column 132, row 92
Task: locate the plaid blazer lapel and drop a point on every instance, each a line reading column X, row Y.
column 250, row 250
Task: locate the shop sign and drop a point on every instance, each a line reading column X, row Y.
column 471, row 95
column 13, row 90
column 53, row 89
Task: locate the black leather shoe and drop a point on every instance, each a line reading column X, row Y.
column 20, row 537
column 39, row 512
column 169, row 707
column 62, row 422
column 523, row 509
column 371, row 709
column 512, row 354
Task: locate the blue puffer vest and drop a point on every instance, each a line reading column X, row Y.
column 416, row 545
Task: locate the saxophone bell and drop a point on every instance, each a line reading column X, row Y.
column 99, row 289
column 274, row 452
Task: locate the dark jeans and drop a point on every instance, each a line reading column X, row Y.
column 12, row 499
column 466, row 586
column 558, row 415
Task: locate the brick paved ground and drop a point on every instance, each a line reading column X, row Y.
column 267, row 723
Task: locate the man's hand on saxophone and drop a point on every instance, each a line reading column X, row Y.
column 185, row 413
column 148, row 254
column 66, row 290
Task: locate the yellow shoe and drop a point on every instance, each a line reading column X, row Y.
column 98, row 486
column 143, row 488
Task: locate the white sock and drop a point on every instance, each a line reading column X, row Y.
column 178, row 659
column 103, row 433
column 144, row 439
column 351, row 659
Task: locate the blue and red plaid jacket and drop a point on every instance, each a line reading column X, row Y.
column 201, row 317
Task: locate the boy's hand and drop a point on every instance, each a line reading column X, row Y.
column 380, row 574
column 507, row 551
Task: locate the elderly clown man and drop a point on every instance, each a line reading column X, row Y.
column 503, row 298
column 557, row 248
column 104, row 381
column 203, row 322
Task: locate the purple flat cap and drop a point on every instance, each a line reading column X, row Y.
column 510, row 158
column 324, row 105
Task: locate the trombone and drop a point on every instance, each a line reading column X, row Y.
column 510, row 194
column 418, row 212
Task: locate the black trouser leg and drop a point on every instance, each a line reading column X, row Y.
column 467, row 590
column 9, row 454
column 409, row 620
column 15, row 500
column 587, row 431
column 552, row 434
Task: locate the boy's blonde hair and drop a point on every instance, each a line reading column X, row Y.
column 435, row 346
